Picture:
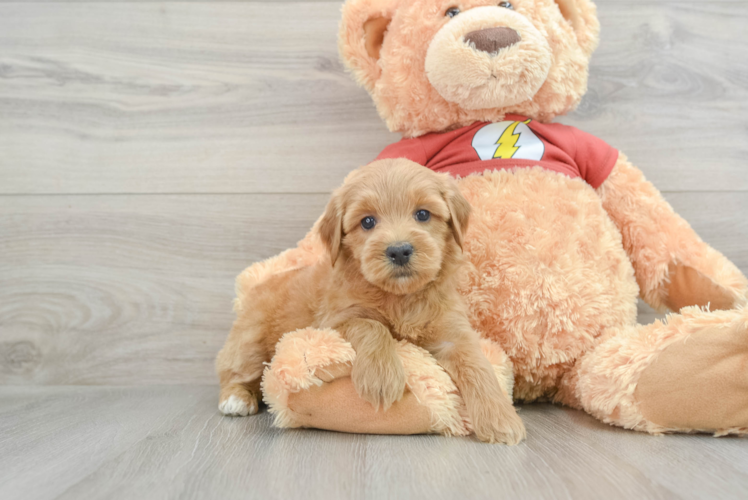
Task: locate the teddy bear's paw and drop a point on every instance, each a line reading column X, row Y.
column 698, row 382
column 236, row 406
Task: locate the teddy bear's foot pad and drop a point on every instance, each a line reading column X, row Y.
column 700, row 383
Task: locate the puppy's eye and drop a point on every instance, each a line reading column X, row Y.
column 452, row 12
column 506, row 5
column 368, row 223
column 423, row 215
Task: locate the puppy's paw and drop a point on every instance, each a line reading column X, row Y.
column 497, row 424
column 379, row 379
column 239, row 406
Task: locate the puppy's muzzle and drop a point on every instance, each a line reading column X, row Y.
column 399, row 253
column 492, row 40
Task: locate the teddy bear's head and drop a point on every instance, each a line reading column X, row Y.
column 435, row 65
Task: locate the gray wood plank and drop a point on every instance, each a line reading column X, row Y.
column 194, row 97
column 669, row 87
column 170, row 442
column 221, row 97
column 156, row 443
column 130, row 289
column 137, row 289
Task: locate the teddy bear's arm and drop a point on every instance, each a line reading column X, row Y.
column 673, row 266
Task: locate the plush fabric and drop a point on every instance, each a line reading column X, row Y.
column 684, row 374
column 562, row 310
column 659, row 241
column 308, row 385
column 699, row 382
column 410, row 104
column 544, row 299
column 556, row 265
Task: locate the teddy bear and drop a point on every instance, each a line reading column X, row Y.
column 565, row 235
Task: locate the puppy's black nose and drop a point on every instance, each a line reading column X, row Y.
column 400, row 253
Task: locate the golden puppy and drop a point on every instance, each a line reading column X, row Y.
column 394, row 233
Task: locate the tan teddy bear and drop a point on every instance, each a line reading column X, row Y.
column 565, row 235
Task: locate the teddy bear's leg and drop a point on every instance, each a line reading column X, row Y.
column 683, row 375
column 308, row 384
column 673, row 266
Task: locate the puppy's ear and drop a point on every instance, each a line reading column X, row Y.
column 459, row 210
column 582, row 16
column 331, row 228
column 362, row 32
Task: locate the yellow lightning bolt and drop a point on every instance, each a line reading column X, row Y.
column 507, row 142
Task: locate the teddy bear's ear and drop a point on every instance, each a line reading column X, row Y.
column 582, row 15
column 362, row 32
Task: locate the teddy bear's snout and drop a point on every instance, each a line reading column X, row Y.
column 492, row 40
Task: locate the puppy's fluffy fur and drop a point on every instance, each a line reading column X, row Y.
column 372, row 300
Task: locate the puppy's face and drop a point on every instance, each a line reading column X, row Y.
column 398, row 222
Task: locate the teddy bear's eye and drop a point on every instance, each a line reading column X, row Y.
column 452, row 12
column 506, row 5
column 368, row 222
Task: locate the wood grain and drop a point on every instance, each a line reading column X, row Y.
column 170, row 442
column 130, row 289
column 150, row 150
column 221, row 97
column 669, row 87
column 137, row 289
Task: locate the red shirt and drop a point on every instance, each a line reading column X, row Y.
column 515, row 142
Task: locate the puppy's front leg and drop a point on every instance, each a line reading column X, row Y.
column 494, row 418
column 378, row 374
column 240, row 366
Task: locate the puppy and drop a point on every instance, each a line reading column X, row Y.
column 394, row 233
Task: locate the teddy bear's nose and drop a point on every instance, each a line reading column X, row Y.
column 492, row 40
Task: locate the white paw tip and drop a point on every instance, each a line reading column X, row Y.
column 236, row 406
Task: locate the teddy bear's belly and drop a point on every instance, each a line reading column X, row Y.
column 549, row 271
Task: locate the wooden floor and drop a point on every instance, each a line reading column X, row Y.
column 149, row 151
column 171, row 442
